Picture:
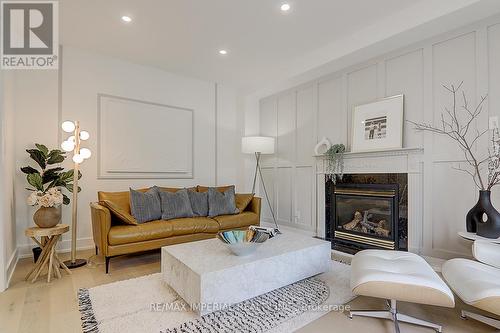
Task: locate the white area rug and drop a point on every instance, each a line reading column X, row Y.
column 132, row 306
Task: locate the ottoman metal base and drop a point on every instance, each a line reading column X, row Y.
column 486, row 320
column 395, row 316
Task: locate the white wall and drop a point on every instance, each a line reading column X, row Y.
column 300, row 116
column 45, row 98
column 8, row 249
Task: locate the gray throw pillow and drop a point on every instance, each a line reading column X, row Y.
column 175, row 205
column 199, row 202
column 145, row 206
column 221, row 203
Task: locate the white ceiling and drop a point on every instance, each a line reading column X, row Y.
column 184, row 36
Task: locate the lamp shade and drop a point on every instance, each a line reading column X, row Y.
column 257, row 144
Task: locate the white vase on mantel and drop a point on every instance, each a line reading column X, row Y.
column 322, row 147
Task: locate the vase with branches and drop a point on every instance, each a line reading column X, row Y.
column 459, row 123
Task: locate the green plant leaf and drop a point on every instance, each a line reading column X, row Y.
column 56, row 158
column 65, row 177
column 35, row 180
column 56, row 152
column 38, row 157
column 51, row 174
column 29, row 170
column 69, row 187
column 43, row 149
column 65, row 199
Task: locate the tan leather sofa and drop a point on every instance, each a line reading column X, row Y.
column 113, row 237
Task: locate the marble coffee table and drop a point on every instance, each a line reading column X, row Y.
column 209, row 277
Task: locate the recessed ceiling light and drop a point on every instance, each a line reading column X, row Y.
column 223, row 52
column 285, row 7
column 126, row 19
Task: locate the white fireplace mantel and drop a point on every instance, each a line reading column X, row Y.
column 405, row 160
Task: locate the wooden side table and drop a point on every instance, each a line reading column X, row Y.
column 48, row 257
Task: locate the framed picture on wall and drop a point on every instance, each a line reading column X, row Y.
column 378, row 125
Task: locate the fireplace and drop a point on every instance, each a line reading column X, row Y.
column 367, row 211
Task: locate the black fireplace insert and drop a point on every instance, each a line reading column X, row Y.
column 367, row 213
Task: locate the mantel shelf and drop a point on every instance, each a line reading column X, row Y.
column 386, row 152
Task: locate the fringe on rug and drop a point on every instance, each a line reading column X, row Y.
column 89, row 323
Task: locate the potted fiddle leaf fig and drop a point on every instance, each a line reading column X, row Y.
column 46, row 180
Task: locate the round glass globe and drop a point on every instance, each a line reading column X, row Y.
column 77, row 158
column 67, row 146
column 85, row 152
column 71, row 139
column 68, row 126
column 84, row 135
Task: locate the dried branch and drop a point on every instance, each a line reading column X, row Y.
column 459, row 131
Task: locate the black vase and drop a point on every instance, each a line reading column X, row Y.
column 483, row 219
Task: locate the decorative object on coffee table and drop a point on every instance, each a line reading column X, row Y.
column 378, row 125
column 483, row 218
column 79, row 155
column 48, row 258
column 259, row 145
column 242, row 242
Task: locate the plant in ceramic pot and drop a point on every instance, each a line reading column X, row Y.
column 46, row 182
column 460, row 123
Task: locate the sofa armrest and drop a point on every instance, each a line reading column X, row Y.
column 486, row 252
column 254, row 206
column 101, row 224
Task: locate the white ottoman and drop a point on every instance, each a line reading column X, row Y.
column 398, row 276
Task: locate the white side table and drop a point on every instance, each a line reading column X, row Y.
column 472, row 237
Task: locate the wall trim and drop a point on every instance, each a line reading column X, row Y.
column 168, row 174
column 11, row 267
column 63, row 246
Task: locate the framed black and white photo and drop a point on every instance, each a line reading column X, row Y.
column 378, row 125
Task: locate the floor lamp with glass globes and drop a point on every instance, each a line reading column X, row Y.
column 259, row 145
column 79, row 155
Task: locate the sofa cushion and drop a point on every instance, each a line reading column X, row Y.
column 126, row 234
column 241, row 220
column 218, row 188
column 175, row 205
column 194, row 225
column 120, row 212
column 146, row 206
column 221, row 203
column 120, row 199
column 199, row 202
column 175, row 189
column 242, row 200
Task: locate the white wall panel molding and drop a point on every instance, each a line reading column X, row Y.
column 468, row 54
column 123, row 154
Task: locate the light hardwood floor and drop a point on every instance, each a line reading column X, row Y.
column 43, row 307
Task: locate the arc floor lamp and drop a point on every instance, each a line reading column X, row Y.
column 259, row 145
column 79, row 155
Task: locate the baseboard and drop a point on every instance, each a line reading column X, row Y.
column 284, row 226
column 11, row 266
column 63, row 246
